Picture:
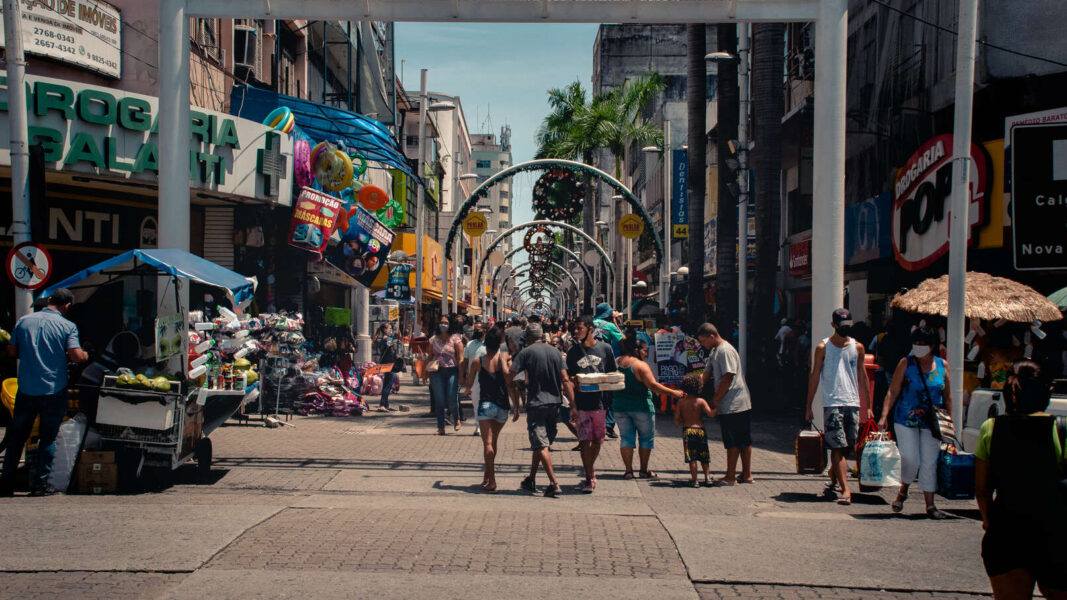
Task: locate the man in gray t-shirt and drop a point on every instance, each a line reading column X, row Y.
column 731, row 401
column 545, row 374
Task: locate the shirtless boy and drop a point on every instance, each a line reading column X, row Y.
column 689, row 414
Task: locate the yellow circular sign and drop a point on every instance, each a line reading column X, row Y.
column 475, row 224
column 631, row 226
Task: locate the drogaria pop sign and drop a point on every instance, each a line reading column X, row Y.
column 922, row 191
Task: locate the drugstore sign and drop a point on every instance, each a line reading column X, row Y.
column 922, row 191
column 111, row 133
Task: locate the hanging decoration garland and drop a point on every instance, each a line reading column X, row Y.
column 558, row 195
column 539, row 241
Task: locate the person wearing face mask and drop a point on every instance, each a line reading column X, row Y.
column 837, row 369
column 589, row 410
column 920, row 382
column 471, row 352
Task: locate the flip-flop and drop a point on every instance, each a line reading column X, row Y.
column 650, row 474
column 723, row 483
column 845, row 500
column 628, row 475
column 753, row 480
column 489, row 490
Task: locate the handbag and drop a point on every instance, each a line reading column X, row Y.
column 880, row 462
column 433, row 366
column 938, row 420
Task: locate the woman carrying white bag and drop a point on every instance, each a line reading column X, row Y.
column 920, row 384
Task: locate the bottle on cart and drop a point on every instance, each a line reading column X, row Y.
column 205, row 345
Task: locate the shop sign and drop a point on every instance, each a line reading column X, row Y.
column 86, row 33
column 106, row 132
column 680, row 195
column 710, row 246
column 922, row 190
column 800, row 259
column 1039, row 196
column 867, row 234
column 398, row 286
column 313, row 221
column 364, row 247
column 631, row 226
column 475, row 224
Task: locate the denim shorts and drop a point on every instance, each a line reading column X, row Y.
column 636, row 425
column 487, row 411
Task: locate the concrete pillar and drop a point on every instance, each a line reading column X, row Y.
column 828, row 229
column 174, row 125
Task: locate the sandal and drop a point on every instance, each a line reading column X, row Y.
column 834, row 487
column 723, row 483
column 650, row 474
column 490, row 489
column 845, row 500
column 898, row 504
column 937, row 514
column 628, row 475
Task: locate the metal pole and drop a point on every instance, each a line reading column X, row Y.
column 959, row 225
column 828, row 239
column 420, row 226
column 173, row 125
column 628, row 279
column 458, row 265
column 362, row 314
column 17, row 125
column 668, row 230
column 743, row 49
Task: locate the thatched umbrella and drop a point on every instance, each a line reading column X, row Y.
column 988, row 297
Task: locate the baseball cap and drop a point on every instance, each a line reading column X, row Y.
column 842, row 317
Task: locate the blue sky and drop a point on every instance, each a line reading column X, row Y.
column 500, row 72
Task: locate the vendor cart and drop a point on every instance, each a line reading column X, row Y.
column 160, row 426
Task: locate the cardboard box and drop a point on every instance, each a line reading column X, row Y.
column 96, row 456
column 97, row 478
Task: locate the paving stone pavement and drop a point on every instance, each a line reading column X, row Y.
column 379, row 506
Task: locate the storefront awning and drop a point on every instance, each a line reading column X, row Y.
column 175, row 262
column 321, row 123
column 429, row 295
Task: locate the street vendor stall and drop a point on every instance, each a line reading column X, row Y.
column 164, row 413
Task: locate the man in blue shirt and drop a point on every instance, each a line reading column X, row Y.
column 43, row 342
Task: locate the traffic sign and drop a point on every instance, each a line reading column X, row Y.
column 475, row 224
column 631, row 226
column 29, row 265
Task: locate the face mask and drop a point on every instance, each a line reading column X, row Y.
column 920, row 351
column 844, row 330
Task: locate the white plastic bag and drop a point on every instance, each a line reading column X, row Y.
column 68, row 444
column 880, row 462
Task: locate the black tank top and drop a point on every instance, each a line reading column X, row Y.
column 1026, row 475
column 493, row 386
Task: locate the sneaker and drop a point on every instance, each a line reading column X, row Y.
column 528, row 485
column 611, row 434
column 45, row 490
column 553, row 490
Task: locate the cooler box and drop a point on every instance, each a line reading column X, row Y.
column 601, row 382
column 955, row 476
column 808, row 448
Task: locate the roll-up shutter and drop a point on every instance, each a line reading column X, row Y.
column 218, row 235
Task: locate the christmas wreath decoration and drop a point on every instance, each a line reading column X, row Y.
column 558, row 195
column 539, row 241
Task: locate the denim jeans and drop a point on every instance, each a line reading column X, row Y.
column 387, row 388
column 51, row 408
column 444, row 385
column 609, row 420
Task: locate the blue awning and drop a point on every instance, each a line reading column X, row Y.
column 321, row 123
column 180, row 263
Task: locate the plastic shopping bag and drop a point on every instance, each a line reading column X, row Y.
column 880, row 462
column 68, row 444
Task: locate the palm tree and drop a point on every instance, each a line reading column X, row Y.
column 575, row 129
column 768, row 58
column 696, row 137
column 726, row 229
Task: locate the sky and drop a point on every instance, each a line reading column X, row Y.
column 501, row 73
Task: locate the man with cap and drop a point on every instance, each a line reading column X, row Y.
column 44, row 342
column 606, row 330
column 545, row 377
column 837, row 368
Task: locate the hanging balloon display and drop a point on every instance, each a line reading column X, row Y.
column 539, row 241
column 373, row 197
column 281, row 119
column 332, row 167
column 392, row 214
column 361, row 168
column 302, row 163
column 558, row 195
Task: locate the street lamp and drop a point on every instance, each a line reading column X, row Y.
column 741, row 167
column 668, row 232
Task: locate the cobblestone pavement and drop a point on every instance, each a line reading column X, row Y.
column 381, row 507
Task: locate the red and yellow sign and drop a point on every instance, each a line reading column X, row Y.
column 475, row 224
column 631, row 226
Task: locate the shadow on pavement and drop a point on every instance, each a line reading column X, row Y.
column 804, row 497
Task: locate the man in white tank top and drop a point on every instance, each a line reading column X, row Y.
column 837, row 369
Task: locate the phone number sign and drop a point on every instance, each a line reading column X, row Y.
column 86, row 33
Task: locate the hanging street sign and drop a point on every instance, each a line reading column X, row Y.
column 631, row 226
column 29, row 265
column 475, row 224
